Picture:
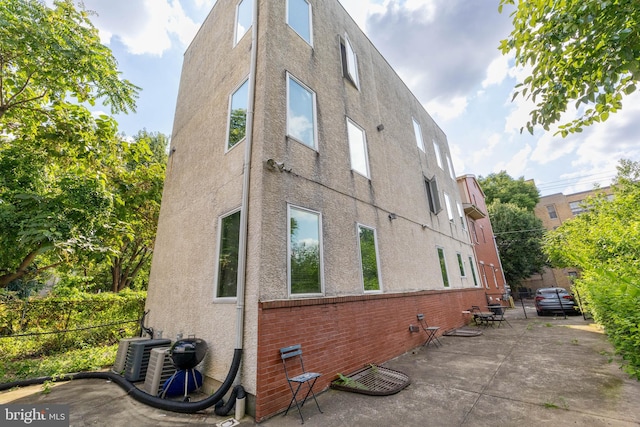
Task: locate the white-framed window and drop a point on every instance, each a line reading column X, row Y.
column 433, row 197
column 349, row 61
column 447, row 202
column 417, row 129
column 299, row 18
column 237, row 125
column 461, row 215
column 369, row 259
column 473, row 272
column 443, row 267
column 228, row 249
column 304, row 263
column 301, row 113
column 451, row 171
column 358, row 148
column 244, row 19
column 436, row 148
column 463, row 273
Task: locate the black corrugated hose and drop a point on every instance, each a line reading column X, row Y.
column 147, row 399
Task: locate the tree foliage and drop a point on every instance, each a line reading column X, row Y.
column 518, row 233
column 503, row 188
column 581, row 52
column 604, row 243
column 57, row 160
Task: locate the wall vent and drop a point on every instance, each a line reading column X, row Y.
column 138, row 355
column 121, row 355
column 160, row 370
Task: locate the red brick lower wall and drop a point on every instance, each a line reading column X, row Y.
column 342, row 334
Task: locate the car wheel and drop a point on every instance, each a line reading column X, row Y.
column 540, row 312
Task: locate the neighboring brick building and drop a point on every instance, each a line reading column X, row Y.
column 309, row 199
column 490, row 270
column 553, row 210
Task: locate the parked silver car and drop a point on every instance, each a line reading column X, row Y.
column 555, row 300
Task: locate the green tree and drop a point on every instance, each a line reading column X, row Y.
column 585, row 52
column 604, row 243
column 503, row 188
column 518, row 233
column 54, row 196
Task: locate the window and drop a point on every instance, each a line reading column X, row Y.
column 301, row 113
column 244, row 16
column 447, row 202
column 369, row 258
column 436, row 147
column 484, row 274
column 432, row 195
column 461, row 215
column 238, row 115
column 461, row 265
column 451, row 172
column 305, row 252
column 474, row 232
column 357, row 149
column 552, row 211
column 495, row 278
column 443, row 267
column 577, row 207
column 473, row 272
column 418, row 131
column 299, row 18
column 229, row 242
column 349, row 62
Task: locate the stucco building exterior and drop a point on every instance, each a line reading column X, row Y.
column 553, row 210
column 309, row 199
column 490, row 273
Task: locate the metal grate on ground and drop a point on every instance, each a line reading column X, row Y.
column 373, row 380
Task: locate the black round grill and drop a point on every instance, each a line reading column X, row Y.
column 187, row 353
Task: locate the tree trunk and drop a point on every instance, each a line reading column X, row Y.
column 5, row 279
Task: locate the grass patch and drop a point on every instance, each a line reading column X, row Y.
column 87, row 359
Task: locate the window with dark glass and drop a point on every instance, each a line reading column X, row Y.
column 305, row 252
column 238, row 115
column 227, row 283
column 369, row 258
column 432, row 195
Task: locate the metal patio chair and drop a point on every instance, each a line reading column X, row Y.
column 430, row 331
column 293, row 364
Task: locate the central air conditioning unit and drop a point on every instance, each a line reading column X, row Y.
column 121, row 355
column 138, row 354
column 160, row 370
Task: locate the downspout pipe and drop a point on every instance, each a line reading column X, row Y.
column 246, row 181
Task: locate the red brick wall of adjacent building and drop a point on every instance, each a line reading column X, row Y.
column 342, row 334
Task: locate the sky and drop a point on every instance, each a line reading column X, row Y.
column 446, row 51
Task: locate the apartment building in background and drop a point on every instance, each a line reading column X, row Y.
column 309, row 199
column 553, row 210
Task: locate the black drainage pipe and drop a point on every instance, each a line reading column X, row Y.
column 141, row 396
column 223, row 409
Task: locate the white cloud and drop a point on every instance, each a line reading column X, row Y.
column 517, row 165
column 143, row 26
column 448, row 108
column 497, row 71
